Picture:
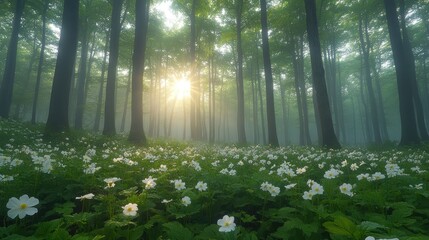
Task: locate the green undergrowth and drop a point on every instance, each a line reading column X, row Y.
column 272, row 193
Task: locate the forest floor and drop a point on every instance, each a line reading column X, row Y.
column 86, row 186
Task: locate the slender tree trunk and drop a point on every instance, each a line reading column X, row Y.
column 58, row 110
column 239, row 76
column 192, row 119
column 6, row 88
column 409, row 133
column 109, row 109
column 40, row 66
column 137, row 134
column 365, row 45
column 284, row 111
column 81, row 79
column 298, row 96
column 303, row 89
column 254, row 105
column 20, row 105
column 271, row 114
column 259, row 93
column 329, row 139
column 101, row 88
column 127, row 95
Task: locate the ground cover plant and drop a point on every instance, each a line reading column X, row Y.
column 83, row 186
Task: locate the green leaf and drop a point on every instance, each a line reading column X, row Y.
column 210, row 233
column 65, row 208
column 177, row 231
column 370, row 226
column 342, row 226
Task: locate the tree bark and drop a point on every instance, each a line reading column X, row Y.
column 409, row 134
column 365, row 46
column 115, row 28
column 329, row 139
column 137, row 135
column 59, row 105
column 239, row 76
column 78, row 123
column 40, row 66
column 6, row 88
column 411, row 73
column 101, row 88
column 271, row 114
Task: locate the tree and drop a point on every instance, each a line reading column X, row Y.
column 115, row 29
column 329, row 139
column 271, row 114
column 409, row 134
column 239, row 75
column 6, row 88
column 59, row 105
column 137, row 135
column 365, row 50
column 41, row 60
column 411, row 73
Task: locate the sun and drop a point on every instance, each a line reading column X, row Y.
column 181, row 89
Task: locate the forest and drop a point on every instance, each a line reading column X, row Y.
column 214, row 119
column 208, row 77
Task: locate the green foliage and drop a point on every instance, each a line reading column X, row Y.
column 241, row 183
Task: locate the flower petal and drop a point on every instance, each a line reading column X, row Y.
column 31, row 211
column 13, row 203
column 32, row 202
column 12, row 213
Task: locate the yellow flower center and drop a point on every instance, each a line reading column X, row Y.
column 130, row 209
column 23, row 206
column 227, row 224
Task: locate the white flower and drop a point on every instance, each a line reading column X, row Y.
column 166, row 201
column 290, row 186
column 377, row 176
column 130, row 209
column 316, row 189
column 346, row 188
column 111, row 182
column 86, row 196
column 186, row 201
column 331, row 173
column 226, row 224
column 201, row 186
column 149, row 182
column 354, row 167
column 179, row 184
column 22, row 206
column 370, row 238
column 307, row 195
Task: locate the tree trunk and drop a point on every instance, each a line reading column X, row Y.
column 127, row 95
column 411, row 73
column 41, row 60
column 239, row 76
column 329, row 139
column 271, row 114
column 6, row 88
column 409, row 134
column 365, row 46
column 137, row 134
column 115, row 28
column 100, row 91
column 78, row 124
column 59, row 105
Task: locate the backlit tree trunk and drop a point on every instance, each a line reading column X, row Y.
column 59, row 106
column 6, row 88
column 329, row 139
column 271, row 115
column 137, row 134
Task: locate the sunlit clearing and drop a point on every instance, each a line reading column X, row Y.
column 181, row 89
